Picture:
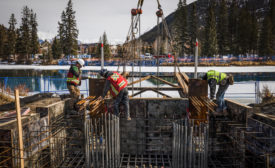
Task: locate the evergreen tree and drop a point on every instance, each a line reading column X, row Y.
column 18, row 44
column 68, row 31
column 210, row 45
column 222, row 33
column 265, row 46
column 244, row 31
column 233, row 17
column 106, row 47
column 98, row 48
column 34, row 44
column 193, row 28
column 11, row 36
column 3, row 39
column 56, row 49
column 25, row 34
column 181, row 28
column 272, row 17
column 254, row 34
column 61, row 31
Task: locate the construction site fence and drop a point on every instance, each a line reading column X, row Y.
column 163, row 59
column 190, row 144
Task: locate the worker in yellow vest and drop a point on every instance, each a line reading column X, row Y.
column 117, row 85
column 218, row 78
column 74, row 79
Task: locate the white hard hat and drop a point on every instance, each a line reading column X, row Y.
column 81, row 62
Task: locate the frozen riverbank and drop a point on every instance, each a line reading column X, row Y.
column 233, row 69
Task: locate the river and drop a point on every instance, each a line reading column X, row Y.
column 52, row 78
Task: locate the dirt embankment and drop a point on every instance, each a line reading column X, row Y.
column 234, row 63
column 4, row 99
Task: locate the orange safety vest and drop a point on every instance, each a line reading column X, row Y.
column 71, row 78
column 118, row 83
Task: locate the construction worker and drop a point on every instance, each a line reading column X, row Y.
column 218, row 78
column 74, row 79
column 117, row 85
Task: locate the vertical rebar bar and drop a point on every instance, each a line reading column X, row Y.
column 109, row 135
column 106, row 140
column 190, row 146
column 113, row 143
column 185, row 142
column 92, row 146
column 102, row 139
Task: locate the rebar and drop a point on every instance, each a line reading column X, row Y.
column 189, row 144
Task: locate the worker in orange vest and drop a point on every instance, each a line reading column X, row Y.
column 74, row 79
column 117, row 85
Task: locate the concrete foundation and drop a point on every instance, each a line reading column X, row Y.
column 56, row 136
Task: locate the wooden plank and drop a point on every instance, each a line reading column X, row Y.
column 19, row 124
column 154, row 90
column 160, row 88
column 133, row 95
column 182, row 84
column 140, row 80
column 164, row 81
column 185, row 77
column 160, row 93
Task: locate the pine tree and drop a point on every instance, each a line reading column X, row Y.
column 68, row 30
column 244, row 30
column 11, row 36
column 56, row 49
column 254, row 34
column 222, row 33
column 193, row 28
column 210, row 45
column 71, row 31
column 106, row 47
column 3, row 39
column 265, row 46
column 25, row 34
column 232, row 27
column 181, row 28
column 18, row 44
column 34, row 44
column 61, row 31
column 272, row 17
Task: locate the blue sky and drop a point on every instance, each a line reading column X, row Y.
column 93, row 16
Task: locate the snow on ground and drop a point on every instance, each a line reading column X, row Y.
column 146, row 68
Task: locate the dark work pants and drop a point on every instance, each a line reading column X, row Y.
column 220, row 96
column 123, row 98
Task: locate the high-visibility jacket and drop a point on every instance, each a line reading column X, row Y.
column 219, row 76
column 71, row 78
column 118, row 83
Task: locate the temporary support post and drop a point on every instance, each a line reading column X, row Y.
column 196, row 59
column 102, row 54
column 19, row 124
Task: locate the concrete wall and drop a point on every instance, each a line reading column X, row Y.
column 238, row 112
column 150, row 130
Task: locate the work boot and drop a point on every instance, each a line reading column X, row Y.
column 129, row 118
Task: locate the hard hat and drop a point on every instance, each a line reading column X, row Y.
column 81, row 62
column 103, row 72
